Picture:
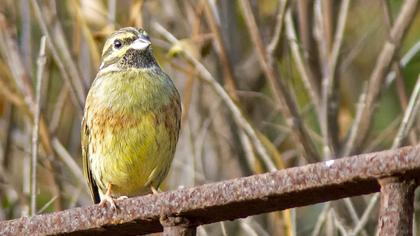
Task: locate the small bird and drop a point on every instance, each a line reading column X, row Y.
column 131, row 120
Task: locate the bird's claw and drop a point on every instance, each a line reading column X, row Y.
column 122, row 198
column 107, row 198
column 111, row 200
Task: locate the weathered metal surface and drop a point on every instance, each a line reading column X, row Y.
column 177, row 226
column 230, row 199
column 397, row 205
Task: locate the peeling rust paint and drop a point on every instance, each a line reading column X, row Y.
column 231, row 199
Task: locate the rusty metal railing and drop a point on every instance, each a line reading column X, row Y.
column 179, row 212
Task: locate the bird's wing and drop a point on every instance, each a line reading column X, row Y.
column 93, row 188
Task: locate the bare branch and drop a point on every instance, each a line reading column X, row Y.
column 229, row 77
column 397, row 68
column 35, row 132
column 366, row 214
column 409, row 115
column 77, row 93
column 281, row 94
column 278, row 29
column 237, row 113
column 377, row 78
column 310, row 86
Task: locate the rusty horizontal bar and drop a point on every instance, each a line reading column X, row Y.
column 230, row 199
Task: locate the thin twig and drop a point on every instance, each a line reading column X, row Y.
column 408, row 56
column 24, row 83
column 365, row 217
column 76, row 95
column 26, row 34
column 356, row 123
column 223, row 227
column 353, row 214
column 10, row 95
column 406, row 124
column 330, row 228
column 248, row 150
column 229, row 77
column 5, row 176
column 247, row 228
column 327, row 9
column 321, row 219
column 237, row 113
column 385, row 134
column 281, row 94
column 68, row 160
column 257, row 227
column 395, row 65
column 339, row 223
column 7, row 130
column 35, row 132
column 46, row 205
column 310, row 86
column 329, row 106
column 11, row 53
column 278, row 29
column 58, row 109
column 60, row 43
column 377, row 78
column 305, row 10
column 409, row 116
column 397, row 68
column 89, row 38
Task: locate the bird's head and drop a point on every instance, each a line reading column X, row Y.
column 127, row 48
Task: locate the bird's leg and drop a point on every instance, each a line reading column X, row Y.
column 154, row 190
column 108, row 198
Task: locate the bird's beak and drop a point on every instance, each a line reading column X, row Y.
column 141, row 43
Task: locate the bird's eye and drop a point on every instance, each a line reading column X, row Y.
column 117, row 44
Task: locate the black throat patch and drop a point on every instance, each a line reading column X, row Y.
column 137, row 59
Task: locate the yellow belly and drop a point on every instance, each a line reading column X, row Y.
column 132, row 154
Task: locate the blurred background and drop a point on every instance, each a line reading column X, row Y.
column 265, row 85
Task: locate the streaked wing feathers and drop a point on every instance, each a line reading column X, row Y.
column 93, row 188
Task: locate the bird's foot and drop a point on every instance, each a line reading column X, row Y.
column 107, row 198
column 111, row 200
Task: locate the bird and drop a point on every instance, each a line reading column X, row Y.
column 131, row 121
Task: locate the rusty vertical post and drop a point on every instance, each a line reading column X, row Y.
column 177, row 226
column 396, row 209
